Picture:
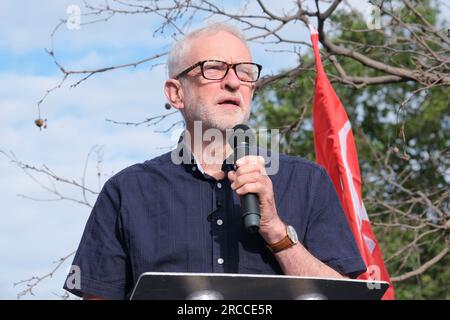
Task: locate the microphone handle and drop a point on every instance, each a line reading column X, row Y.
column 250, row 212
column 250, row 201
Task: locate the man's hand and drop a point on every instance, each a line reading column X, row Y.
column 251, row 177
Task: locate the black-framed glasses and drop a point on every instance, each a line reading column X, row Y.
column 217, row 70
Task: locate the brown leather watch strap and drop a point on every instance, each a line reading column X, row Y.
column 284, row 243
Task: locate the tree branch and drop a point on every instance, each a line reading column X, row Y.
column 32, row 282
column 424, row 267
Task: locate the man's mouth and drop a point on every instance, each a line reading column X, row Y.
column 230, row 102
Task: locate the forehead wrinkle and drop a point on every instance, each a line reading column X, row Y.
column 201, row 49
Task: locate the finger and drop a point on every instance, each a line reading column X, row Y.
column 247, row 168
column 231, row 176
column 241, row 180
column 251, row 159
column 255, row 187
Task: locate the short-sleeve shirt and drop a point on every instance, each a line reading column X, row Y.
column 159, row 216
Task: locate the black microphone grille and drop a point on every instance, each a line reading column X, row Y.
column 241, row 133
column 241, row 126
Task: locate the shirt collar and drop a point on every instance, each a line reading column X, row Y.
column 189, row 161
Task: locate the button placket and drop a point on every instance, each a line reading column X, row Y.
column 218, row 230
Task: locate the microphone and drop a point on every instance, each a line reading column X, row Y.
column 240, row 141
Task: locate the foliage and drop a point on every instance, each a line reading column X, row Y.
column 402, row 141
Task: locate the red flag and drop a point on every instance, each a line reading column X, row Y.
column 336, row 152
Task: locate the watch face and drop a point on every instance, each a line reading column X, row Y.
column 292, row 234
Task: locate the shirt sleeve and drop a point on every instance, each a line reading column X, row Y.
column 328, row 235
column 100, row 265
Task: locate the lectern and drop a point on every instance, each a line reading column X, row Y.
column 226, row 286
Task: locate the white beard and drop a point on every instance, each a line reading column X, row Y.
column 214, row 117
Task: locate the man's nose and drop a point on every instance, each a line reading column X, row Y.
column 231, row 81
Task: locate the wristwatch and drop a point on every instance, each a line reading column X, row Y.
column 288, row 241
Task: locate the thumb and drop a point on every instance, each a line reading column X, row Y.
column 231, row 176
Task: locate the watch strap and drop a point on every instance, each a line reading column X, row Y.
column 281, row 245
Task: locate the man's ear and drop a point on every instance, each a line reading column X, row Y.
column 174, row 93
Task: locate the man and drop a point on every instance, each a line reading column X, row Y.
column 184, row 217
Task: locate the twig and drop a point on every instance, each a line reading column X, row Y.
column 424, row 267
column 149, row 121
column 32, row 282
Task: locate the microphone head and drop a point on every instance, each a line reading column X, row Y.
column 241, row 126
column 241, row 133
column 240, row 140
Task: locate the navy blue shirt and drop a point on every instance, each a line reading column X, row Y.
column 164, row 217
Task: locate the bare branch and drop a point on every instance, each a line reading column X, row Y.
column 32, row 282
column 52, row 177
column 293, row 73
column 425, row 22
column 424, row 77
column 149, row 121
column 363, row 81
column 173, row 125
column 323, row 16
column 423, row 267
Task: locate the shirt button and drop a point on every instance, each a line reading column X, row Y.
column 219, row 185
column 219, row 222
column 220, row 261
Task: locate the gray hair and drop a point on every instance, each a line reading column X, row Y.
column 177, row 54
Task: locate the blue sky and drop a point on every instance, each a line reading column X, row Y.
column 35, row 234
